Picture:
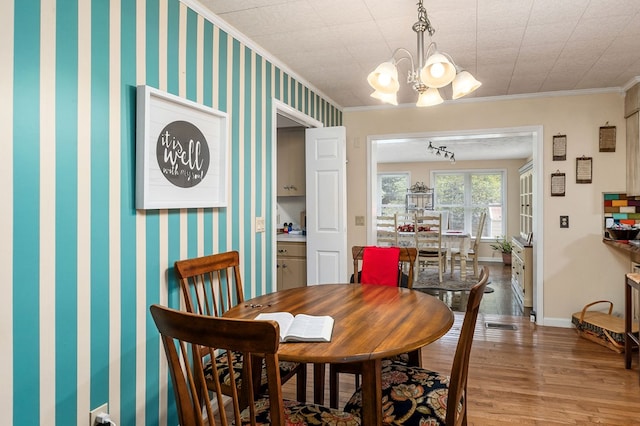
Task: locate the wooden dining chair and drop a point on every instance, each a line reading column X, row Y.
column 428, row 240
column 437, row 399
column 222, row 338
column 386, row 231
column 407, row 259
column 472, row 254
column 212, row 285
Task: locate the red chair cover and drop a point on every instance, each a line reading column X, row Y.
column 380, row 265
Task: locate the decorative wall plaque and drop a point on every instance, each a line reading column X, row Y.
column 608, row 138
column 559, row 147
column 558, row 184
column 584, row 169
column 181, row 152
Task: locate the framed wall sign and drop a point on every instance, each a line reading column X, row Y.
column 559, row 147
column 584, row 169
column 558, row 184
column 181, row 152
column 608, row 138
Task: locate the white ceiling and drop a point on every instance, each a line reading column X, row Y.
column 512, row 46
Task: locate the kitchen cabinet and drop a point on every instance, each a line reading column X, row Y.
column 632, row 122
column 526, row 199
column 291, row 264
column 522, row 271
column 291, row 177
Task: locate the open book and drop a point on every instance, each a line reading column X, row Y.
column 301, row 328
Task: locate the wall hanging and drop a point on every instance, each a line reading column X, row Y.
column 181, row 152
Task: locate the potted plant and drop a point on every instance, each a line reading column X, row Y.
column 503, row 245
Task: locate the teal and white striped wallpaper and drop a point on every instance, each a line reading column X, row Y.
column 80, row 265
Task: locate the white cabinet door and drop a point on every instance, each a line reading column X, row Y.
column 326, row 205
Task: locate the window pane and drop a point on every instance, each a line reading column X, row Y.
column 391, row 192
column 466, row 195
column 449, row 189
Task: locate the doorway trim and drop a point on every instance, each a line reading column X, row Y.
column 280, row 108
column 538, row 199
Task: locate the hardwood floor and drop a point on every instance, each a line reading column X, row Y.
column 502, row 301
column 532, row 376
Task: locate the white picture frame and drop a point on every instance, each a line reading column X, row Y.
column 182, row 152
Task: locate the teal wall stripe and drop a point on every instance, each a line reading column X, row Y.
column 173, row 296
column 152, row 40
column 287, row 88
column 128, row 244
column 277, row 85
column 66, row 314
column 191, row 52
column 258, row 126
column 173, row 42
column 152, row 236
column 191, row 79
column 100, row 272
column 267, row 104
column 174, row 231
column 249, row 153
column 235, row 143
column 152, row 348
column 207, row 87
column 222, row 78
column 26, row 208
column 207, row 64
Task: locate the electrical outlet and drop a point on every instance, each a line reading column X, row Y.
column 564, row 221
column 359, row 220
column 93, row 414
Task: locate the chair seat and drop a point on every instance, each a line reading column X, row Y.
column 410, row 396
column 296, row 413
column 286, row 369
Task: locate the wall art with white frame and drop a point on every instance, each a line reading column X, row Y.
column 181, row 152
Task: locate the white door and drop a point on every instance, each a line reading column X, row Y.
column 326, row 170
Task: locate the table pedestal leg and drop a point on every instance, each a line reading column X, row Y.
column 372, row 392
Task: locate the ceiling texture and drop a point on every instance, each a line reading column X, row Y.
column 514, row 47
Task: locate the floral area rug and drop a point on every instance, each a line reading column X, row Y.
column 428, row 280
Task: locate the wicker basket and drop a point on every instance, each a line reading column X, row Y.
column 600, row 327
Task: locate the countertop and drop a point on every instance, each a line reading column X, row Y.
column 634, row 251
column 293, row 238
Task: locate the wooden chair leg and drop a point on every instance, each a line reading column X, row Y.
column 301, row 384
column 334, row 386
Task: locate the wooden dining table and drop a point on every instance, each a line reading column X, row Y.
column 371, row 322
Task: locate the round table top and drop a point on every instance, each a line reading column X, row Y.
column 371, row 321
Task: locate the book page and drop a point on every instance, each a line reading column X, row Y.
column 284, row 320
column 309, row 328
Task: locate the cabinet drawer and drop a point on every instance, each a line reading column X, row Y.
column 292, row 249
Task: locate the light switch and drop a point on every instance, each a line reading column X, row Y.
column 260, row 224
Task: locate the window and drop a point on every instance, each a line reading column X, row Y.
column 392, row 188
column 466, row 194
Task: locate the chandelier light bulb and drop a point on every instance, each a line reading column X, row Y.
column 436, row 70
column 384, row 80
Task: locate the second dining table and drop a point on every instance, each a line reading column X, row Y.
column 371, row 323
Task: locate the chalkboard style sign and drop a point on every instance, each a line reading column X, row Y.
column 181, row 152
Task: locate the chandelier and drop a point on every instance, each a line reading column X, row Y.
column 437, row 71
column 441, row 151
